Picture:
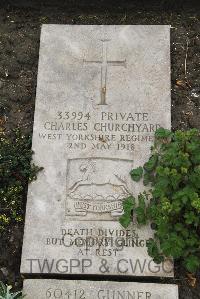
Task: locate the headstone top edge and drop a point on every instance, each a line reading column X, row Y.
column 109, row 25
column 101, row 281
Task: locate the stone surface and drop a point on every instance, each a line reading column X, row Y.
column 102, row 91
column 72, row 289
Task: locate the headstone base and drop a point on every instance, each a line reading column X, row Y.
column 81, row 289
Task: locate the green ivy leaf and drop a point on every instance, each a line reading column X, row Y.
column 151, row 164
column 192, row 263
column 136, row 174
column 173, row 245
column 154, row 252
column 128, row 206
column 194, row 177
column 141, row 210
column 163, row 133
column 148, row 178
column 191, row 218
column 125, row 220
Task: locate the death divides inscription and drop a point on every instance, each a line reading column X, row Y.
column 99, row 101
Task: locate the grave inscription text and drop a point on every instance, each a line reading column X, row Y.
column 99, row 101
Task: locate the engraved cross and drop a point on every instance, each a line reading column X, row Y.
column 104, row 67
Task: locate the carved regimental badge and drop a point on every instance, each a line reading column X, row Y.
column 96, row 188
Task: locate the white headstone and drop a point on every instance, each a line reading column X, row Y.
column 101, row 93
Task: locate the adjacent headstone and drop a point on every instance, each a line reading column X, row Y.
column 42, row 289
column 102, row 91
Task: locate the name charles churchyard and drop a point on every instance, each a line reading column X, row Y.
column 108, row 122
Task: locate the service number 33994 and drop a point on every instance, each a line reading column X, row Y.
column 73, row 115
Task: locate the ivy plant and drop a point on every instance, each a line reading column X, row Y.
column 16, row 170
column 172, row 202
column 5, row 292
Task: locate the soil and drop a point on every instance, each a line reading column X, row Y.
column 20, row 23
